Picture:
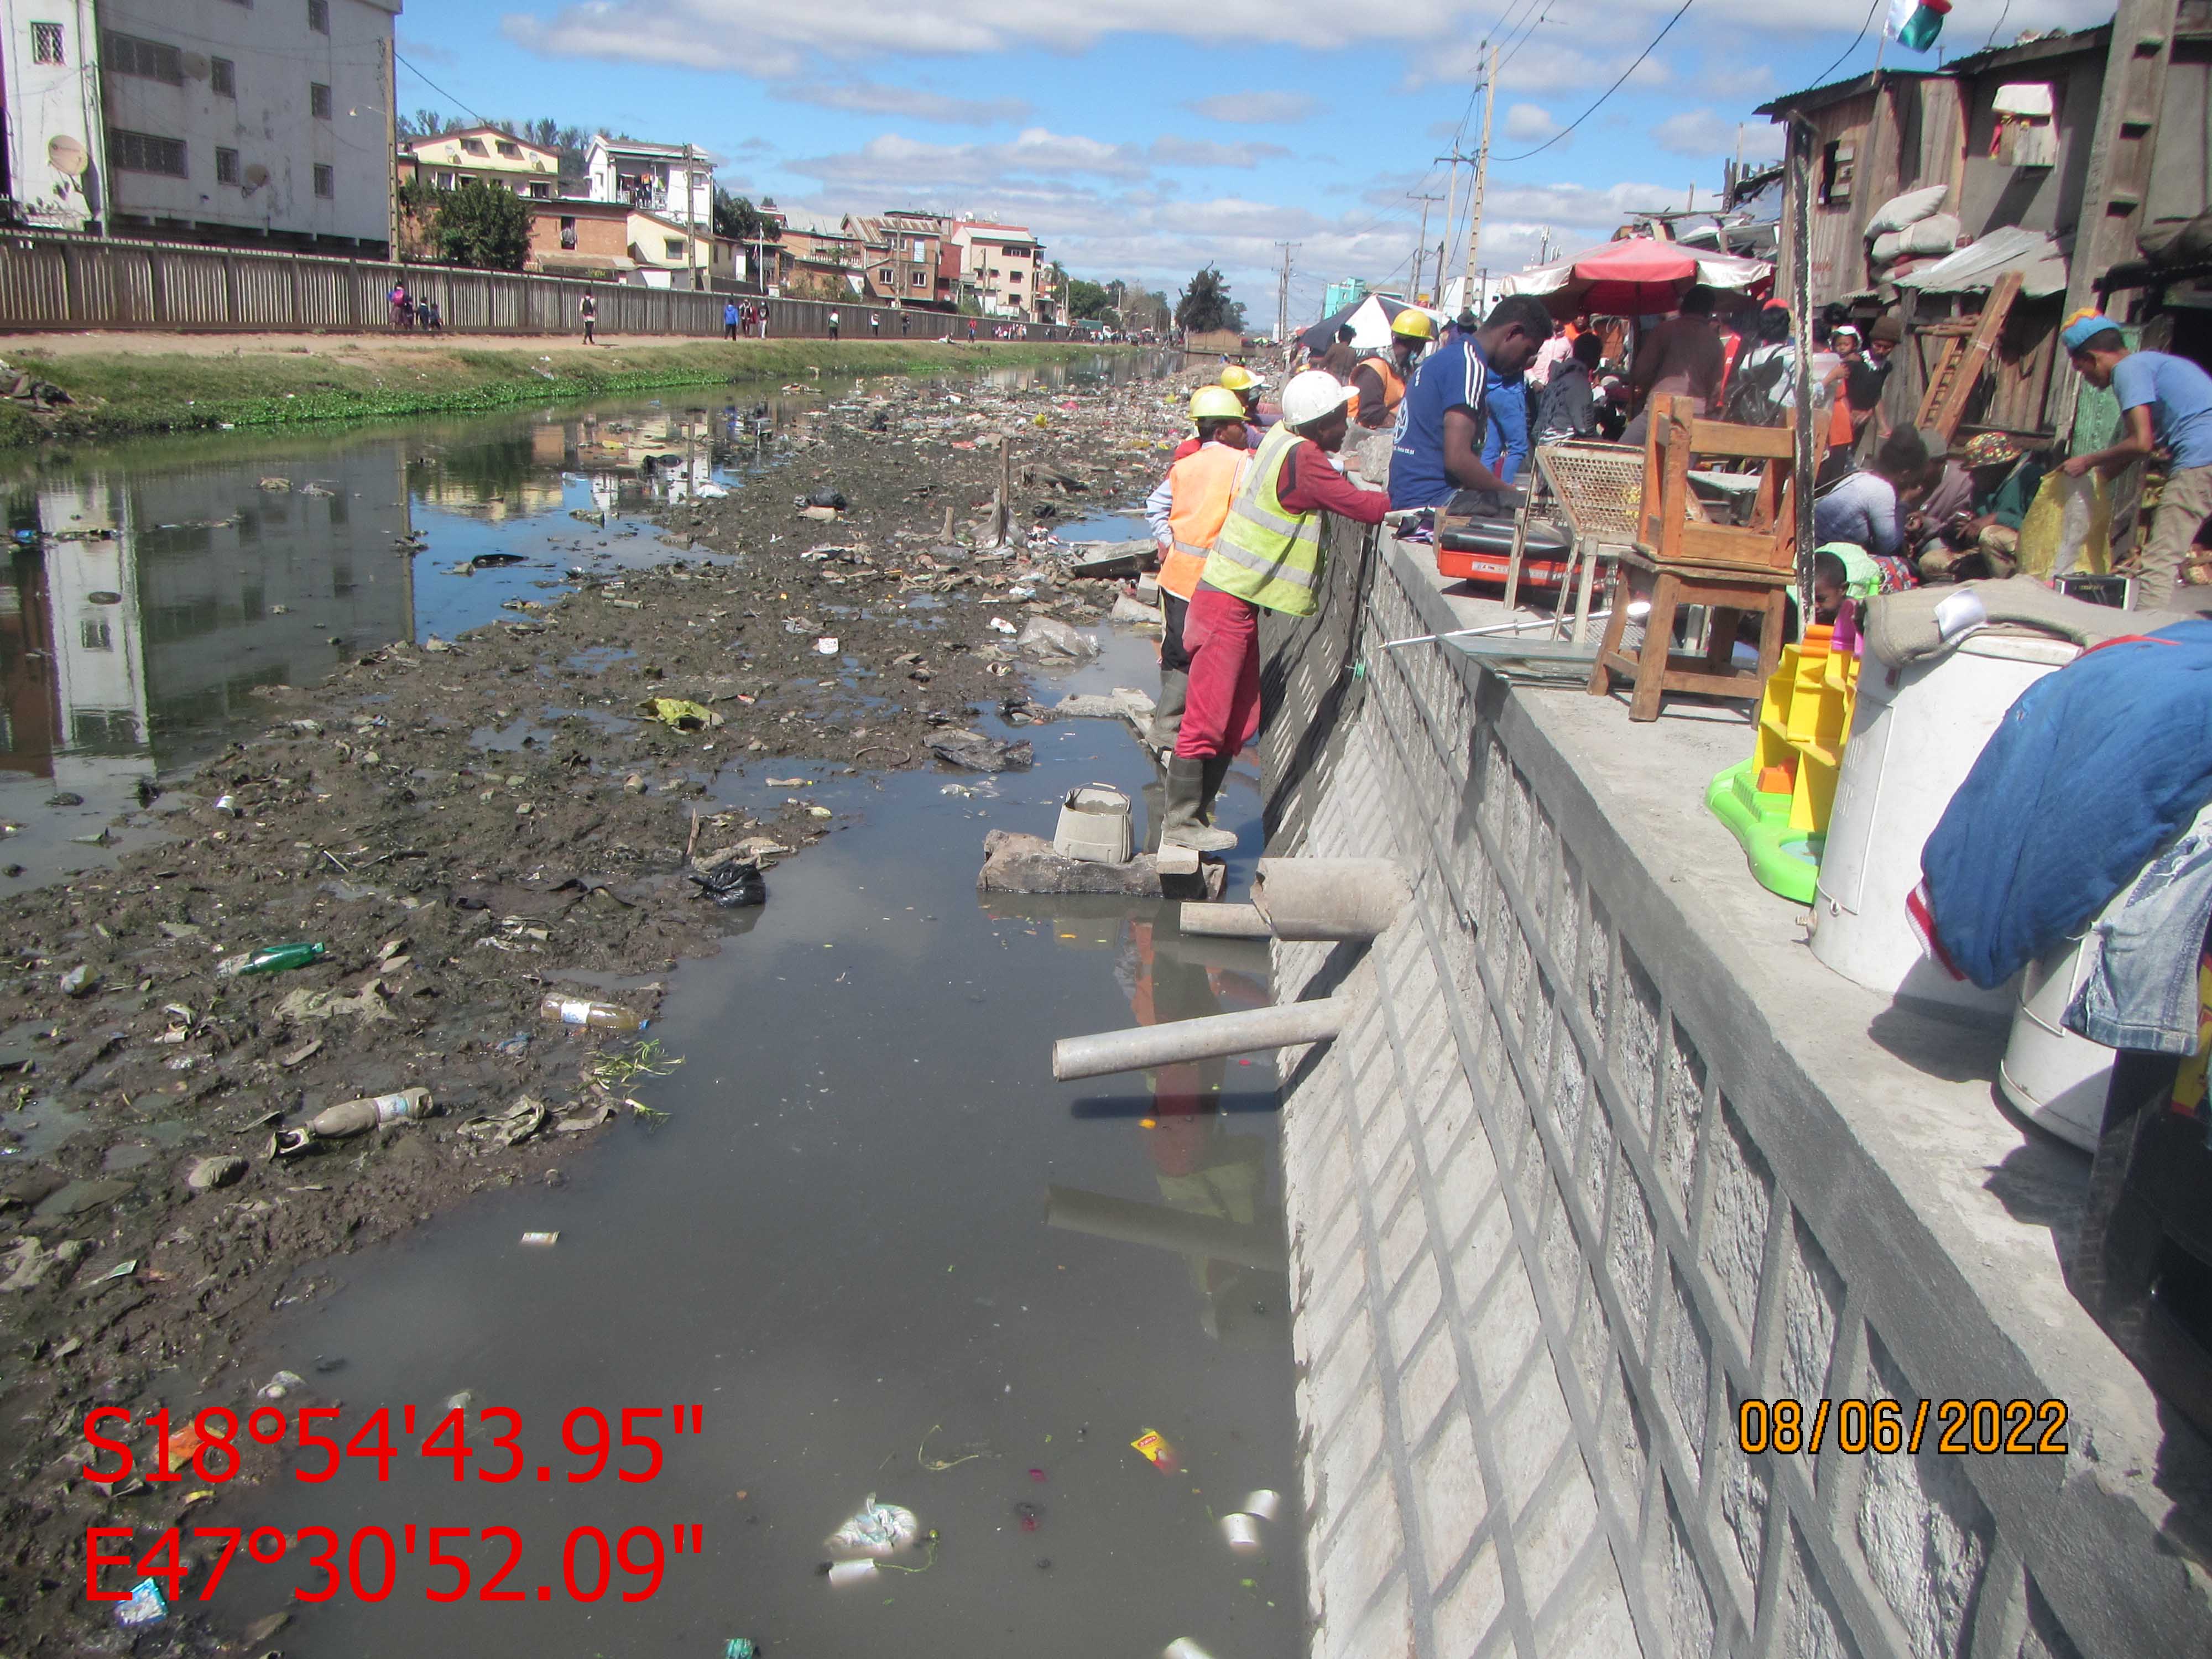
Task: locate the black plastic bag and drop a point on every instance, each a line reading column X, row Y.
column 732, row 884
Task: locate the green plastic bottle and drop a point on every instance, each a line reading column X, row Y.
column 275, row 958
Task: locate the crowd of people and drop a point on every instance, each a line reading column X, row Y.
column 1238, row 516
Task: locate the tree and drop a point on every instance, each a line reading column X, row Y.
column 738, row 219
column 1088, row 301
column 1204, row 306
column 483, row 225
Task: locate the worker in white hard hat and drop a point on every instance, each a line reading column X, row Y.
column 1268, row 556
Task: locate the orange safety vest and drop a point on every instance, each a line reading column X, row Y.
column 1204, row 482
column 1393, row 385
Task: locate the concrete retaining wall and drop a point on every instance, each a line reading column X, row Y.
column 1573, row 1184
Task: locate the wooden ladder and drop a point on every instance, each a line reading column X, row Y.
column 1967, row 346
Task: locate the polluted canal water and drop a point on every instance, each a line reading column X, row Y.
column 836, row 1246
column 856, row 1244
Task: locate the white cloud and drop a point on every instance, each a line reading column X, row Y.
column 1528, row 123
column 872, row 97
column 1704, row 131
column 1174, row 152
column 1255, row 109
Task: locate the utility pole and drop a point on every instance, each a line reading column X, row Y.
column 1421, row 245
column 1451, row 212
column 1481, row 172
column 1283, row 296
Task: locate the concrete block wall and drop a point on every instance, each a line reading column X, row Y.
column 1539, row 1255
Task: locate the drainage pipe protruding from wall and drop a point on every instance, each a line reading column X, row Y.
column 1329, row 898
column 1209, row 1038
column 1225, row 921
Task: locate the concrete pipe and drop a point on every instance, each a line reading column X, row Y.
column 1143, row 1047
column 1225, row 921
column 1103, row 1216
column 1329, row 898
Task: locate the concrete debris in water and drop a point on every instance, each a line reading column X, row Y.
column 1016, row 863
column 1048, row 640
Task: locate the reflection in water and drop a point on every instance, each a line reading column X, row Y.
column 152, row 587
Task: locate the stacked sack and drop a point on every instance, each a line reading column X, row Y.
column 1911, row 227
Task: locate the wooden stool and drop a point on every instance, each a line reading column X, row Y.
column 1729, row 592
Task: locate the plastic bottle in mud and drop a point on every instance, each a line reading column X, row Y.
column 582, row 1010
column 353, row 1117
column 274, row 958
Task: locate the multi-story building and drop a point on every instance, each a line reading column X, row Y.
column 482, row 155
column 573, row 237
column 202, row 121
column 901, row 258
column 1004, row 267
column 676, row 181
column 820, row 258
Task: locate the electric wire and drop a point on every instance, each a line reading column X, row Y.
column 441, row 91
column 1665, row 29
column 1852, row 48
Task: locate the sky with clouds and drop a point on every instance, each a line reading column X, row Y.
column 1149, row 138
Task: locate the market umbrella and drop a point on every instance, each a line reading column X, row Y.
column 1635, row 277
column 1370, row 321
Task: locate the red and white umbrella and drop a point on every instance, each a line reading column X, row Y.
column 1636, row 276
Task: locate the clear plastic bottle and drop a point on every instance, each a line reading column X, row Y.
column 353, row 1117
column 582, row 1010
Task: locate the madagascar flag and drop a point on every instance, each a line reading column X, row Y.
column 1914, row 24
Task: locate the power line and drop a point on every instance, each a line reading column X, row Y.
column 1854, row 46
column 441, row 92
column 1666, row 29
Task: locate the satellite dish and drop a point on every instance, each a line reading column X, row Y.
column 197, row 66
column 256, row 176
column 67, row 154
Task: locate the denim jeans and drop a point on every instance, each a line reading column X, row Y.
column 2140, row 989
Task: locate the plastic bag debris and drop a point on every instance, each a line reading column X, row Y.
column 144, row 1607
column 823, row 495
column 1153, row 1446
column 875, row 1529
column 511, row 1128
column 280, row 1385
column 733, row 883
column 679, row 714
column 738, row 1648
column 981, row 754
column 1000, row 625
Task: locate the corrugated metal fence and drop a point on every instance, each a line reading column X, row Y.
column 83, row 283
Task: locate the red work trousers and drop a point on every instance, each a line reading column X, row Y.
column 1222, row 634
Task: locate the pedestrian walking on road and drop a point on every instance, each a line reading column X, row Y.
column 833, row 324
column 588, row 309
column 729, row 319
column 1268, row 556
column 971, row 330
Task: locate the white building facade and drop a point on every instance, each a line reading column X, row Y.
column 676, row 181
column 204, row 120
column 1003, row 265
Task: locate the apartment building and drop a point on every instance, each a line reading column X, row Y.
column 482, row 155
column 1005, row 269
column 676, row 181
column 202, row 121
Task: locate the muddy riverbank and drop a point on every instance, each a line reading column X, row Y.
column 116, row 388
column 469, row 824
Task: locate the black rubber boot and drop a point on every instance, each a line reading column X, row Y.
column 1185, row 823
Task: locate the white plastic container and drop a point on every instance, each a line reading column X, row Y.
column 1915, row 735
column 1094, row 825
column 2055, row 1077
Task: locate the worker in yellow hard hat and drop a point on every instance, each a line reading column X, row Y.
column 1248, row 387
column 1186, row 513
column 1380, row 378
